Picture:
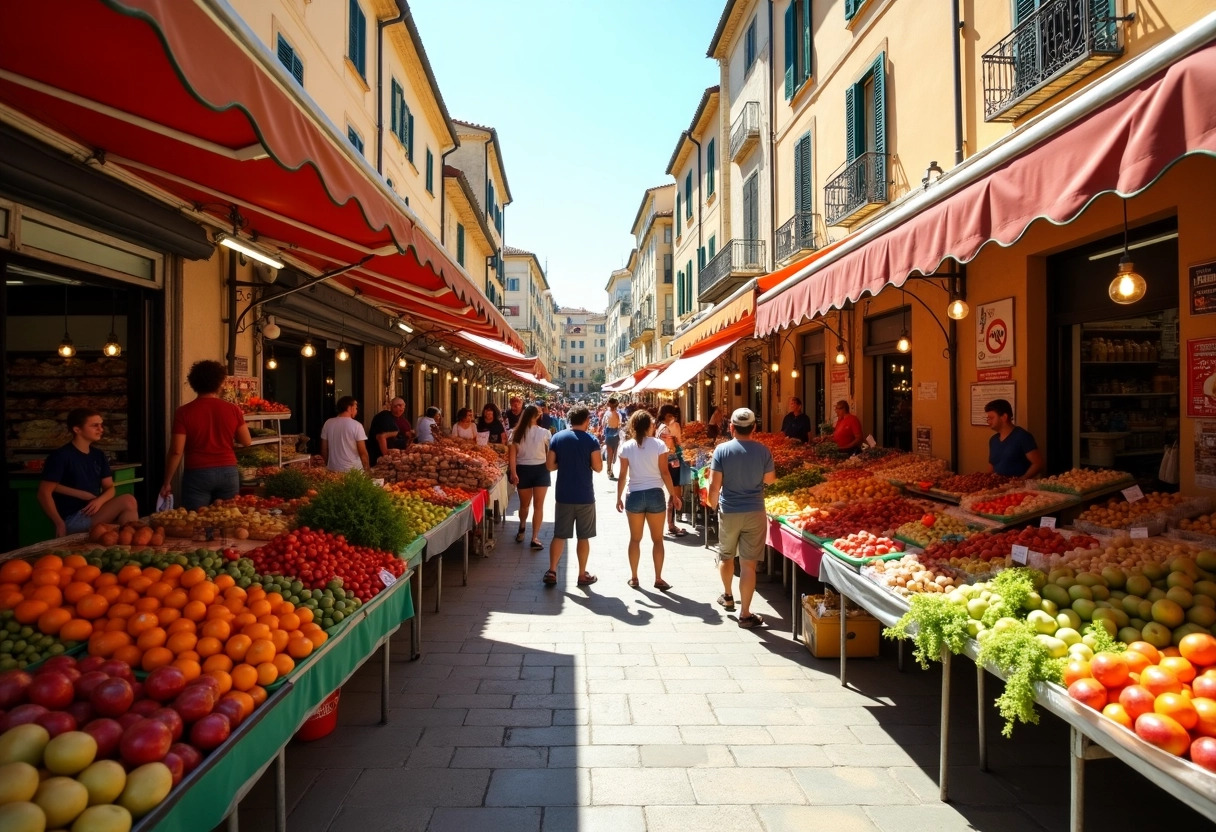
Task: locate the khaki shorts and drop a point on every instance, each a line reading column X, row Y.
column 742, row 534
column 568, row 515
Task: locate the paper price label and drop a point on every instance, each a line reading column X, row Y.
column 1036, row 559
column 387, row 578
column 1020, row 554
column 1140, row 532
column 1133, row 494
column 1047, row 522
column 871, row 441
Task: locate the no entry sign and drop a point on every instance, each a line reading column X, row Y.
column 994, row 334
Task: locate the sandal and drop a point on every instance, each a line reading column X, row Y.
column 586, row 579
column 726, row 602
column 519, row 535
column 662, row 585
column 550, row 577
column 750, row 622
column 536, row 545
column 633, row 582
column 677, row 532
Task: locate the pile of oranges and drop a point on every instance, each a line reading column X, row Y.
column 149, row 617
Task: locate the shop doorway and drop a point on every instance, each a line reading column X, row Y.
column 813, row 393
column 755, row 386
column 893, row 400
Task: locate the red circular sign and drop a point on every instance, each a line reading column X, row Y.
column 996, row 336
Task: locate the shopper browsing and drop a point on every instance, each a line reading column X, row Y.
column 386, row 430
column 464, row 427
column 343, row 440
column 428, row 425
column 1012, row 451
column 644, row 468
column 203, row 434
column 77, row 488
column 739, row 471
column 671, row 434
column 575, row 455
column 527, row 455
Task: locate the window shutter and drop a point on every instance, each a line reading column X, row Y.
column 750, row 223
column 798, row 177
column 394, row 95
column 710, row 162
column 460, row 244
column 854, row 115
column 880, row 126
column 680, row 293
column 409, row 144
column 1023, row 9
column 357, row 35
column 678, row 214
column 286, row 53
column 789, row 50
column 804, row 195
column 806, row 39
column 688, row 194
column 430, row 171
column 850, row 8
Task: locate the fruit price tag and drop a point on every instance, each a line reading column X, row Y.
column 1139, row 532
column 871, row 441
column 1133, row 494
column 1047, row 522
column 1020, row 553
column 1038, row 560
column 387, row 578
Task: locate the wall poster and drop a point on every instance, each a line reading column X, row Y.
column 981, row 394
column 838, row 387
column 1205, row 454
column 1203, row 288
column 924, row 440
column 1201, row 378
column 994, row 334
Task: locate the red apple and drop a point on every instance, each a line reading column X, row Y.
column 231, row 709
column 118, row 669
column 1163, row 732
column 171, row 718
column 113, row 697
column 128, row 719
column 164, row 683
column 1203, row 753
column 82, row 712
column 194, row 703
column 189, row 755
column 210, row 731
column 208, row 682
column 176, row 767
column 147, row 741
column 22, row 714
column 108, row 734
column 60, row 663
column 52, row 690
column 144, row 707
column 71, row 672
column 89, row 663
column 57, row 722
column 87, row 681
column 12, row 687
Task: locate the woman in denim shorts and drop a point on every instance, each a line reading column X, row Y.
column 644, row 467
column 526, row 455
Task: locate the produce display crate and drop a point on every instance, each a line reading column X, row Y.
column 821, row 634
column 836, row 553
column 1038, row 485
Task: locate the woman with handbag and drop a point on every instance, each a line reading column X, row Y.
column 671, row 433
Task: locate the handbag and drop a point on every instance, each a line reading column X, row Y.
column 1168, row 471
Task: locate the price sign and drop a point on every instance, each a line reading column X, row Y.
column 1133, row 494
column 871, row 441
column 1047, row 522
column 387, row 578
column 1020, row 554
column 1139, row 532
column 1036, row 559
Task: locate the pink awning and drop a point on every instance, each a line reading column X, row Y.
column 645, row 380
column 677, row 374
column 1051, row 169
column 501, row 353
column 533, row 380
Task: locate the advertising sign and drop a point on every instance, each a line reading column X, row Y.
column 994, row 334
column 1203, row 288
column 1201, row 378
column 981, row 394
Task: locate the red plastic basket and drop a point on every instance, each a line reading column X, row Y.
column 323, row 720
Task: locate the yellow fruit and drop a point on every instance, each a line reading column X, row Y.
column 103, row 819
column 18, row 782
column 146, row 787
column 24, row 743
column 62, row 800
column 22, row 817
column 69, row 753
column 104, row 780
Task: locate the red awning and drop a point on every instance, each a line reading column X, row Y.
column 684, row 368
column 1070, row 156
column 533, row 380
column 182, row 95
column 502, row 354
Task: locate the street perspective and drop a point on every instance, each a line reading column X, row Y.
column 560, row 416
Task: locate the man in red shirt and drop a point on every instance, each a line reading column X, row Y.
column 848, row 433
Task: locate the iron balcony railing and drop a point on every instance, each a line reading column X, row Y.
column 1059, row 43
column 667, row 328
column 626, row 308
column 797, row 236
column 640, row 325
column 735, row 257
column 745, row 131
column 857, row 189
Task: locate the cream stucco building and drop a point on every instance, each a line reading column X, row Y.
column 652, row 270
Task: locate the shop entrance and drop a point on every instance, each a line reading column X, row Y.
column 812, row 390
column 891, row 413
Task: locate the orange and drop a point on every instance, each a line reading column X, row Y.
column 256, row 593
column 195, row 610
column 261, row 650
column 267, row 673
column 86, row 573
column 106, row 643
column 129, row 573
column 209, row 646
column 234, row 605
column 76, row 630
column 280, row 639
column 217, row 628
column 244, row 676
column 167, row 615
column 192, row 655
column 318, row 637
column 223, row 677
column 10, row 598
column 284, row 663
column 192, row 576
column 15, row 571
column 235, row 592
column 289, row 621
column 66, row 575
column 237, row 646
column 152, row 637
column 115, row 625
column 139, row 584
column 259, row 694
column 217, row 662
column 49, row 562
column 111, row 592
column 256, row 631
column 172, row 573
column 105, row 579
column 140, row 622
column 181, row 625
column 52, row 621
column 285, row 608
column 270, row 620
column 45, row 577
column 126, row 595
column 218, row 610
column 75, row 561
column 129, row 653
column 147, row 604
column 152, row 573
column 243, row 619
column 245, row 700
column 1198, row 648
column 120, row 610
column 305, row 614
column 275, row 600
column 223, row 581
column 181, row 642
column 176, row 599
column 53, row 595
column 158, row 590
column 27, row 611
column 260, row 608
column 205, row 592
column 300, row 647
column 190, row 667
column 76, row 590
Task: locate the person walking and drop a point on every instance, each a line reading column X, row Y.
column 527, row 455
column 343, row 440
column 644, row 468
column 739, row 471
column 575, row 455
column 202, row 435
column 671, row 434
column 610, row 424
column 77, row 487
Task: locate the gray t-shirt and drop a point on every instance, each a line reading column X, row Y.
column 743, row 464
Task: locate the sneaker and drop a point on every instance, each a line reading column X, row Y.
column 726, row 602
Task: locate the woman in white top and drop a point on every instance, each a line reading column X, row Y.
column 428, row 425
column 644, row 465
column 527, row 453
column 464, row 427
column 670, row 432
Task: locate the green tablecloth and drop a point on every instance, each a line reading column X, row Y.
column 207, row 796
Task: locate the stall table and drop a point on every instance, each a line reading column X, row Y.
column 453, row 529
column 798, row 551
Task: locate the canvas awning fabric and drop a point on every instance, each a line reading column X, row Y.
column 182, row 96
column 1118, row 135
column 533, row 380
column 501, row 354
column 680, row 371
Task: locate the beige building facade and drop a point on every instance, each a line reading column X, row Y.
column 618, row 361
column 529, row 306
column 653, row 321
column 583, row 345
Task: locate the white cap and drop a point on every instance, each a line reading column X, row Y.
column 743, row 417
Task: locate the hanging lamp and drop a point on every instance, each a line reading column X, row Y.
column 112, row 348
column 1128, row 286
column 308, row 350
column 66, row 348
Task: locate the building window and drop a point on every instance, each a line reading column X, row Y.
column 355, row 138
column 797, row 45
column 679, row 214
column 866, row 115
column 430, row 171
column 710, row 163
column 804, row 198
column 713, row 246
column 460, row 244
column 356, row 46
column 749, row 45
column 851, row 7
column 667, row 234
column 512, row 284
column 667, row 268
column 289, row 58
column 402, row 123
column 688, row 194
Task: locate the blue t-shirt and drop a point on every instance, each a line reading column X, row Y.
column 1008, row 457
column 743, row 464
column 573, row 450
column 68, row 466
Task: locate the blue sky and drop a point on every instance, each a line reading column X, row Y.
column 588, row 99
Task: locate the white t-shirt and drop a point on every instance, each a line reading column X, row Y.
column 643, row 459
column 426, row 426
column 464, row 431
column 533, row 449
column 343, row 435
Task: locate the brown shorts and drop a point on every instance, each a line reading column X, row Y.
column 742, row 534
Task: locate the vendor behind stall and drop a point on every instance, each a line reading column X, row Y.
column 848, row 433
column 77, row 488
column 389, row 429
column 1012, row 451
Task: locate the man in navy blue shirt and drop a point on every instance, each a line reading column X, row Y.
column 1012, row 451
column 77, row 488
column 575, row 455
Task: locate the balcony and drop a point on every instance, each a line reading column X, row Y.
column 858, row 189
column 730, row 267
column 639, row 326
column 626, row 308
column 745, row 131
column 667, row 328
column 797, row 237
column 1053, row 48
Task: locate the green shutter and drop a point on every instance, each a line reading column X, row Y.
column 677, row 214
column 1023, row 9
column 358, row 38
column 880, row 126
column 680, row 293
column 798, row 177
column 804, row 198
column 806, row 39
column 460, row 244
column 409, row 130
column 713, row 246
column 854, row 116
column 710, row 162
column 789, row 50
column 688, row 194
column 851, row 7
column 394, row 97
column 430, row 172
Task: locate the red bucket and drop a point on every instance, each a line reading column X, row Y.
column 322, row 721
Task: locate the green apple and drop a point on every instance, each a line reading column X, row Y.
column 1157, row 634
column 1127, row 635
column 1068, row 618
column 1055, row 648
column 1068, row 635
column 1138, row 585
column 1042, row 622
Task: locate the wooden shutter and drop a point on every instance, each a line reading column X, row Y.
column 358, row 35
column 394, row 96
column 851, row 7
column 806, row 39
column 678, row 216
column 688, row 194
column 289, row 59
column 710, row 162
column 430, row 171
column 460, row 244
column 798, row 177
column 680, row 293
column 789, row 50
column 750, row 209
column 409, row 129
column 879, row 73
column 804, row 199
column 854, row 117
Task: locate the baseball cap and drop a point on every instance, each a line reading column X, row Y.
column 743, row 417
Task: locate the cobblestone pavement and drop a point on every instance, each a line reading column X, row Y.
column 608, row 708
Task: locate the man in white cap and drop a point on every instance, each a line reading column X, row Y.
column 745, row 467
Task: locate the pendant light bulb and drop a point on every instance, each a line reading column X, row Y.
column 904, row 344
column 793, row 374
column 308, row 350
column 272, row 363
column 112, row 348
column 343, row 354
column 709, row 382
column 958, row 309
column 1128, row 286
column 66, row 348
column 841, row 358
column 401, row 362
column 738, row 375
column 774, row 367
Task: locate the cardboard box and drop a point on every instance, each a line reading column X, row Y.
column 822, row 635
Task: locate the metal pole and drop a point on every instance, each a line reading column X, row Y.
column 844, row 651
column 384, row 684
column 943, row 759
column 280, row 790
column 982, row 719
column 416, row 621
column 1076, row 778
column 465, row 574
